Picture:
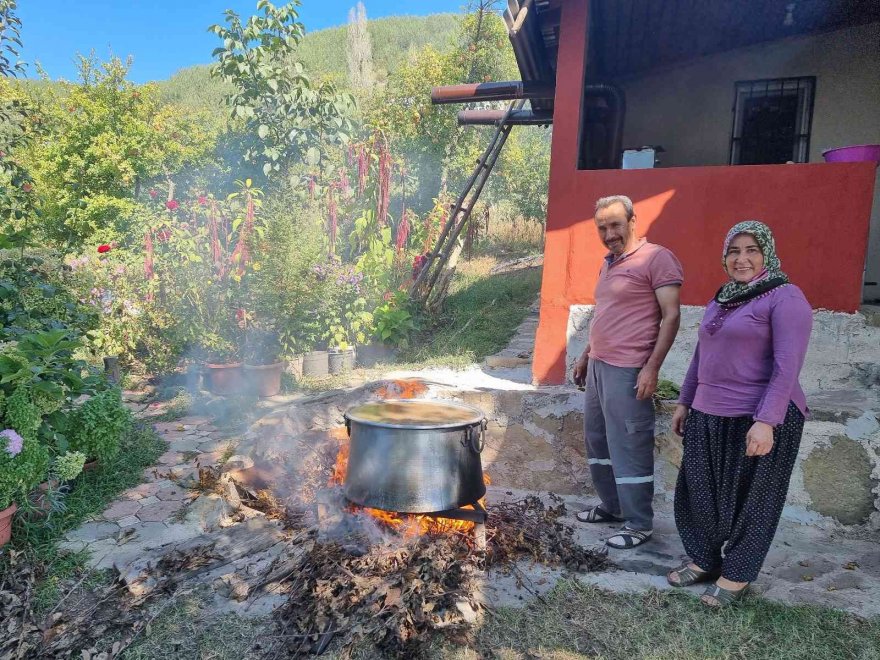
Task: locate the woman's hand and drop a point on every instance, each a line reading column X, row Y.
column 759, row 440
column 679, row 417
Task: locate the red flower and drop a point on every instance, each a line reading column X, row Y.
column 2, row 154
column 172, row 205
column 202, row 200
column 387, row 296
column 27, row 187
column 103, row 248
column 163, row 235
column 239, row 314
column 153, row 193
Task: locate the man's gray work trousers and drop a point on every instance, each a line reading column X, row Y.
column 619, row 432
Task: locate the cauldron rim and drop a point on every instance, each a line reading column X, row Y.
column 478, row 416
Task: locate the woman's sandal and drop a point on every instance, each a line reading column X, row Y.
column 597, row 514
column 629, row 538
column 723, row 597
column 688, row 576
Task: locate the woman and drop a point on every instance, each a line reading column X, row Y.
column 741, row 413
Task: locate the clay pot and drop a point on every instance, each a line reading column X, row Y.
column 6, row 523
column 341, row 361
column 316, row 363
column 264, row 379
column 223, row 379
column 90, row 465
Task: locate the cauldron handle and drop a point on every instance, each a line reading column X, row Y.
column 479, row 443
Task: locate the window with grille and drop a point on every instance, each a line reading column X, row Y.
column 771, row 121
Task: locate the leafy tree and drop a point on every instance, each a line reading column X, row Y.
column 440, row 153
column 277, row 101
column 106, row 139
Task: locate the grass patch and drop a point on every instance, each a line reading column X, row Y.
column 189, row 629
column 479, row 316
column 580, row 621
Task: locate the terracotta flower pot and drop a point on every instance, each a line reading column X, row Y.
column 91, row 464
column 223, row 379
column 6, row 523
column 264, row 379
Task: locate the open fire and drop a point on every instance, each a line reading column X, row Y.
column 403, row 523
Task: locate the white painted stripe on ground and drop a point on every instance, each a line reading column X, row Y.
column 634, row 480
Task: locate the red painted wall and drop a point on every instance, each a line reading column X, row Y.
column 820, row 214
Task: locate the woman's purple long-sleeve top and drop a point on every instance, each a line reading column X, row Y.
column 751, row 364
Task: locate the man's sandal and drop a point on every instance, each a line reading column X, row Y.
column 723, row 597
column 597, row 514
column 628, row 538
column 688, row 576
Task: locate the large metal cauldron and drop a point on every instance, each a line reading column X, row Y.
column 415, row 456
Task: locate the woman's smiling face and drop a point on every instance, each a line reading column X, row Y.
column 744, row 259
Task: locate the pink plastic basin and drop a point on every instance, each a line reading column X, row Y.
column 854, row 153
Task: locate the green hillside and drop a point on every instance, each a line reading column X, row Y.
column 323, row 54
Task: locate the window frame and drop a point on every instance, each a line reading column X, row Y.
column 803, row 86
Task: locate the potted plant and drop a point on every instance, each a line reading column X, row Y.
column 262, row 366
column 23, row 464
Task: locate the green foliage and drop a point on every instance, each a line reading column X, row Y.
column 106, row 138
column 68, row 466
column 20, row 473
column 21, row 414
column 37, row 293
column 393, row 320
column 10, row 39
column 667, row 390
column 98, row 424
column 275, row 99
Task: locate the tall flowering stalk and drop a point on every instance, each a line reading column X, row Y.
column 241, row 254
column 403, row 229
column 332, row 218
column 363, row 164
column 384, row 192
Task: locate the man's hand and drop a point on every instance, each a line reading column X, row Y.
column 580, row 369
column 646, row 385
column 679, row 417
column 759, row 440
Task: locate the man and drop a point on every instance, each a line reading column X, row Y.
column 634, row 324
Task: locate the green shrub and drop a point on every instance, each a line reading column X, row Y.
column 22, row 414
column 67, row 467
column 98, row 424
column 24, row 463
column 37, row 293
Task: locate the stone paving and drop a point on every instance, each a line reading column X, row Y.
column 153, row 513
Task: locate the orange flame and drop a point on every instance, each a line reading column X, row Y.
column 408, row 524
